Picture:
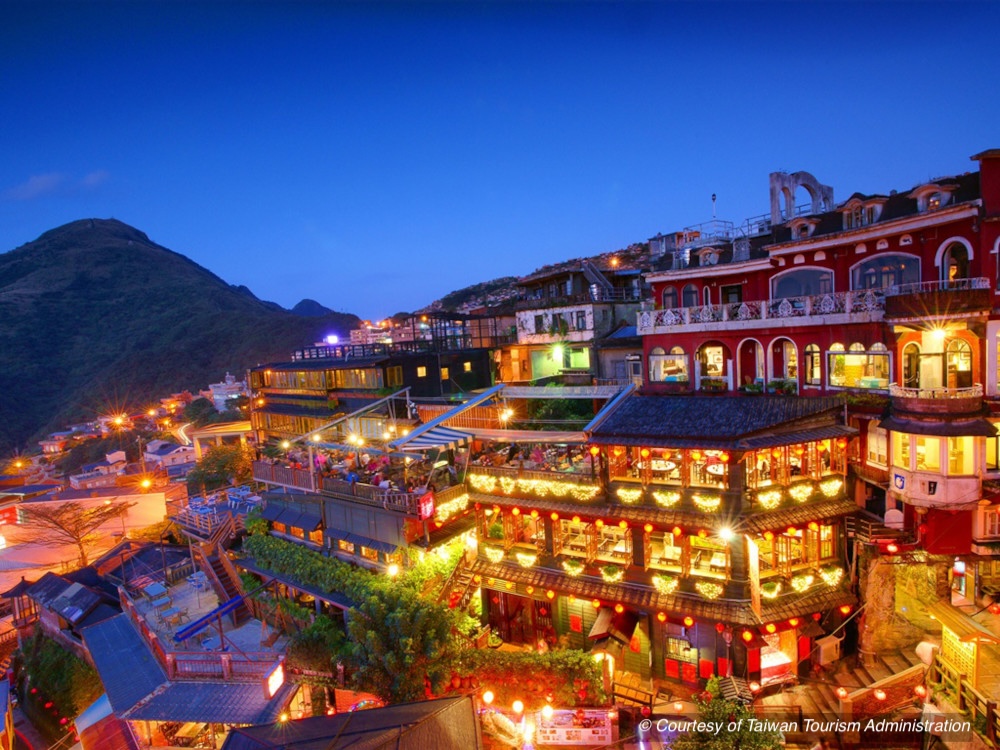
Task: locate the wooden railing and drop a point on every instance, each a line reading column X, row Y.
column 898, row 391
column 515, row 473
column 981, row 710
column 237, row 666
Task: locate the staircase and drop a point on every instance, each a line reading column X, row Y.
column 868, row 528
column 221, row 574
column 599, row 283
column 458, row 589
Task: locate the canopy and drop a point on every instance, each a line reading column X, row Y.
column 441, row 438
column 529, row 436
column 451, row 437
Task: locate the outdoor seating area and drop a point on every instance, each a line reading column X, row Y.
column 566, row 459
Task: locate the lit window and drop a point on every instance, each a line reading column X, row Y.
column 858, row 368
column 668, row 368
column 814, row 366
column 466, row 367
column 444, row 373
column 369, row 554
column 928, row 453
column 877, row 444
column 421, row 372
column 345, row 546
column 961, row 456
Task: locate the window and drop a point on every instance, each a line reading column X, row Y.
column 690, row 296
column 934, row 202
column 928, row 453
column 343, row 546
column 394, row 376
column 802, row 282
column 878, row 444
column 991, row 523
column 890, row 269
column 961, row 456
column 466, row 367
column 669, row 298
column 901, row 450
column 681, row 650
column 858, row 368
column 813, row 364
column 444, row 373
column 421, row 372
column 369, row 554
column 539, row 324
column 581, row 320
column 668, row 368
column 316, row 537
column 731, row 294
column 707, row 295
column 992, row 454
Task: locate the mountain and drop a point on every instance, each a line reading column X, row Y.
column 310, row 308
column 96, row 317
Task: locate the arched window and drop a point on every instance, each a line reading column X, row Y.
column 959, row 364
column 859, row 367
column 669, row 298
column 911, row 365
column 955, row 263
column 690, row 296
column 802, row 282
column 707, row 295
column 888, row 269
column 668, row 368
column 813, row 365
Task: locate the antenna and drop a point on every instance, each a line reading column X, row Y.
column 713, row 206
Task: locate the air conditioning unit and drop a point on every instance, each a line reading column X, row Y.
column 827, row 650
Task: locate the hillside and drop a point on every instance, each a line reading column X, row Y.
column 95, row 316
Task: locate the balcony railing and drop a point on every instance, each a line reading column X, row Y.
column 898, row 391
column 817, row 309
column 926, row 287
column 592, row 295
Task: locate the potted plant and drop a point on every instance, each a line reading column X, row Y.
column 494, row 640
column 612, row 573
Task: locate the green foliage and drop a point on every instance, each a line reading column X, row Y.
column 569, row 677
column 95, row 449
column 717, row 711
column 255, row 524
column 399, row 641
column 59, row 675
column 453, row 300
column 558, row 410
column 318, row 647
column 222, row 465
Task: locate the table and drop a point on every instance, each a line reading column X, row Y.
column 154, row 591
column 717, row 470
column 664, row 466
column 168, row 613
column 191, row 730
column 718, row 560
column 162, row 603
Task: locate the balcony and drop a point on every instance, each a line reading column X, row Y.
column 931, row 490
column 839, row 308
column 937, row 401
column 594, row 294
column 942, row 299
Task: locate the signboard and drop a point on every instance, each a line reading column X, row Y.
column 274, row 680
column 579, row 727
column 426, row 506
column 8, row 515
column 899, row 481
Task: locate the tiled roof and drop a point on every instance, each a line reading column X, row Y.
column 213, row 702
column 821, row 600
column 710, row 421
column 640, row 597
column 124, row 662
column 798, row 515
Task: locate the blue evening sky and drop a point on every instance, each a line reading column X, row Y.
column 375, row 156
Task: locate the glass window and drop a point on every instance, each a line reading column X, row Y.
column 445, row 374
column 961, row 456
column 814, row 367
column 669, row 298
column 690, row 296
column 878, row 449
column 901, row 450
column 466, row 367
column 581, row 320
column 369, row 554
column 345, row 546
column 992, row 454
column 858, row 368
column 928, row 453
column 668, row 368
column 801, row 283
column 891, row 269
column 421, row 372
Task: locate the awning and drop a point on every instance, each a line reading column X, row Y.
column 775, row 440
column 290, row 518
column 618, row 626
column 374, row 544
column 272, row 512
column 529, row 436
column 441, row 420
column 309, row 522
column 440, row 438
column 338, row 534
column 811, row 629
column 565, row 391
column 963, row 428
column 963, row 626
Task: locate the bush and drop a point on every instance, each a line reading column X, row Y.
column 561, row 678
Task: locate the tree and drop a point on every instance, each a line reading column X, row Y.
column 222, row 465
column 734, row 721
column 400, row 642
column 62, row 524
column 201, row 412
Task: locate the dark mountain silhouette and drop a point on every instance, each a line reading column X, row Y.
column 95, row 317
column 310, row 308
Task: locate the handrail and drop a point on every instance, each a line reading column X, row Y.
column 898, row 391
column 952, row 285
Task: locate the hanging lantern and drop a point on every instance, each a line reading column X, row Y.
column 534, row 514
column 571, row 598
column 813, row 526
column 845, row 609
column 791, row 530
column 623, row 524
column 817, row 616
column 695, row 455
column 891, row 548
column 661, row 616
column 554, row 516
column 799, row 450
column 515, row 511
column 599, row 523
column 617, row 451
column 688, row 621
column 771, row 628
column 794, row 622
column 530, row 589
column 702, row 533
column 719, row 627
column 776, row 453
column 550, row 594
column 769, row 535
column 747, row 636
column 644, row 452
column 648, row 528
column 576, row 519
column 596, row 603
column 842, row 442
column 724, row 457
column 594, row 450
column 619, row 608
column 509, row 585
column 676, row 531
column 477, row 578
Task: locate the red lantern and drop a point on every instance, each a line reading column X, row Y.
column 771, row 628
column 596, row 603
column 688, row 622
column 817, row 616
column 845, row 609
column 623, row 524
column 49, row 704
column 747, row 636
column 644, row 452
column 599, row 523
column 676, row 531
column 496, row 599
column 594, row 450
column 791, row 530
column 794, row 622
column 648, row 528
column 619, row 608
column 576, row 519
column 554, row 516
column 550, row 594
column 719, row 627
column 724, row 457
column 534, row 514
column 661, row 616
column 515, row 511
column 702, row 533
